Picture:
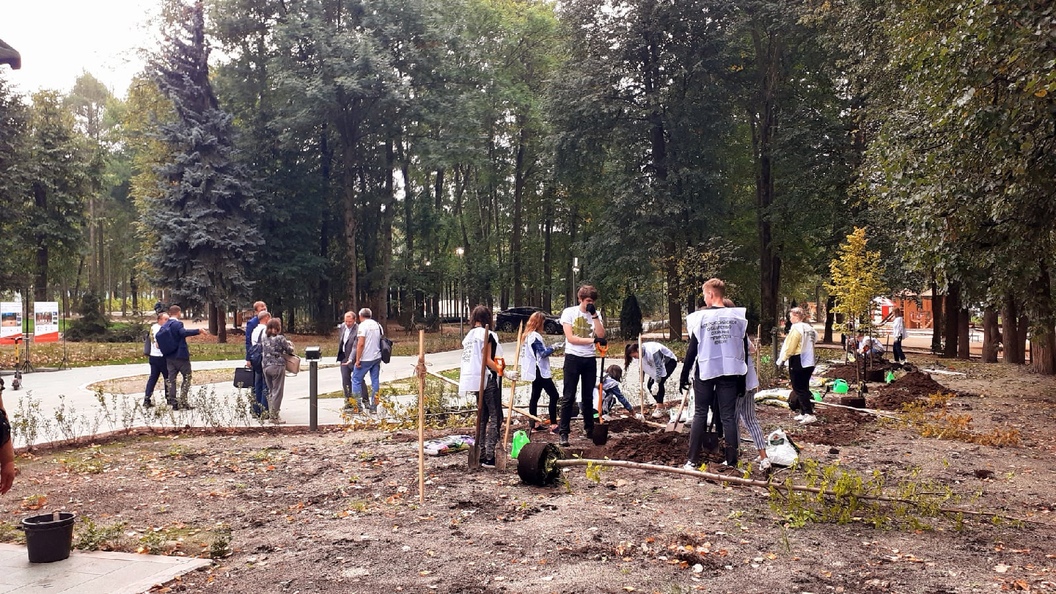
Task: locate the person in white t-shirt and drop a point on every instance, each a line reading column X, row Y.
column 158, row 367
column 368, row 360
column 583, row 327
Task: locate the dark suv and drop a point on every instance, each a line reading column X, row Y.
column 508, row 320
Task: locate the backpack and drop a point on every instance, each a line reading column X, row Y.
column 167, row 343
column 386, row 349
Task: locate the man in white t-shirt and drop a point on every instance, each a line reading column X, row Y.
column 256, row 354
column 583, row 327
column 368, row 359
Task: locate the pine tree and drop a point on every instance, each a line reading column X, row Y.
column 203, row 218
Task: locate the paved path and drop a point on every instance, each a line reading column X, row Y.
column 67, row 391
column 89, row 573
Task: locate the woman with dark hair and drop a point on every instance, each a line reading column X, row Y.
column 469, row 379
column 658, row 363
column 275, row 347
column 535, row 368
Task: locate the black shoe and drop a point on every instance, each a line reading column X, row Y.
column 148, row 404
column 564, row 441
column 488, row 463
column 588, row 433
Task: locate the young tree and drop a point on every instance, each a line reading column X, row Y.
column 203, row 216
column 856, row 280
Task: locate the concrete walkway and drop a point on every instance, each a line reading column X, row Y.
column 89, row 573
column 67, row 390
column 48, row 392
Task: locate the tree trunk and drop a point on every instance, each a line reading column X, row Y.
column 348, row 178
column 381, row 292
column 548, row 262
column 214, row 319
column 964, row 339
column 520, row 179
column 323, row 303
column 763, row 117
column 936, row 318
column 991, row 335
column 953, row 306
column 1043, row 339
column 830, row 303
column 1012, row 339
column 674, row 300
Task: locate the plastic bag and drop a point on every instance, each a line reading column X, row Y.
column 780, row 449
column 448, row 445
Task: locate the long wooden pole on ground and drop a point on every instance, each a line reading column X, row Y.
column 513, row 387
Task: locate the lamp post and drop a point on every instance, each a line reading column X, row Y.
column 575, row 271
column 461, row 252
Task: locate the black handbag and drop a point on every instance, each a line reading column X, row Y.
column 243, row 377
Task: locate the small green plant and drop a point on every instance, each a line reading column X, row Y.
column 97, row 537
column 220, row 547
column 92, row 461
column 10, row 533
column 595, row 471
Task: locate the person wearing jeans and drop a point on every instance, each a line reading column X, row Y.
column 719, row 345
column 535, row 368
column 368, row 360
column 158, row 367
column 583, row 328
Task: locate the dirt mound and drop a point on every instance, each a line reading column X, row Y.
column 911, row 387
column 838, row 427
column 629, row 425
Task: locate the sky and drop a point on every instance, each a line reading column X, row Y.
column 59, row 39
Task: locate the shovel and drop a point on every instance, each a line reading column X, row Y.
column 474, row 450
column 500, row 456
column 675, row 423
column 711, row 438
column 600, row 433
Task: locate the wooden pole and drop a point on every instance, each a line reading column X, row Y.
column 641, row 374
column 513, row 387
column 420, row 372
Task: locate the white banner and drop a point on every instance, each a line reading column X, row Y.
column 10, row 322
column 45, row 321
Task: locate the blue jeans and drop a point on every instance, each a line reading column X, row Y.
column 358, row 373
column 158, row 368
column 260, row 388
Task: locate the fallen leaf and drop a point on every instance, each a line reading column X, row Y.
column 1002, row 568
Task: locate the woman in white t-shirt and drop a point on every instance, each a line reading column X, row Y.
column 583, row 327
column 158, row 368
column 535, row 368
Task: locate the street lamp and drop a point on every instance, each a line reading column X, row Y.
column 575, row 271
column 461, row 310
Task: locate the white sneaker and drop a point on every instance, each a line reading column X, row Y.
column 808, row 419
column 763, row 463
column 689, row 466
column 639, row 417
column 798, row 417
column 657, row 414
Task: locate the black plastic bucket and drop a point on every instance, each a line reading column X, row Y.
column 49, row 537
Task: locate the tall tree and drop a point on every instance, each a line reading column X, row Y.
column 203, row 217
column 58, row 178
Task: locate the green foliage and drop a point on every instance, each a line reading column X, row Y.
column 856, row 280
column 203, row 216
column 99, row 537
column 630, row 318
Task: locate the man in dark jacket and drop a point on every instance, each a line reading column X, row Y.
column 347, row 334
column 253, row 359
column 180, row 361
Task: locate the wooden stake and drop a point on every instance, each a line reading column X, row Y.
column 420, row 372
column 641, row 374
column 513, row 387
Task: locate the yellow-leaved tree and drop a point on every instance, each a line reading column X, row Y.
column 855, row 281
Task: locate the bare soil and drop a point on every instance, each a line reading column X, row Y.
column 338, row 511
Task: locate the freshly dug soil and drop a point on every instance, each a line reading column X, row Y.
column 338, row 511
column 911, row 387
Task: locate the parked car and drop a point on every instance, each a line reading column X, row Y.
column 508, row 320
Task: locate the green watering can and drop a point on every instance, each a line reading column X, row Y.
column 840, row 386
column 519, row 439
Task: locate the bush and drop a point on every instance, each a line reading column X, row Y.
column 630, row 318
column 93, row 325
